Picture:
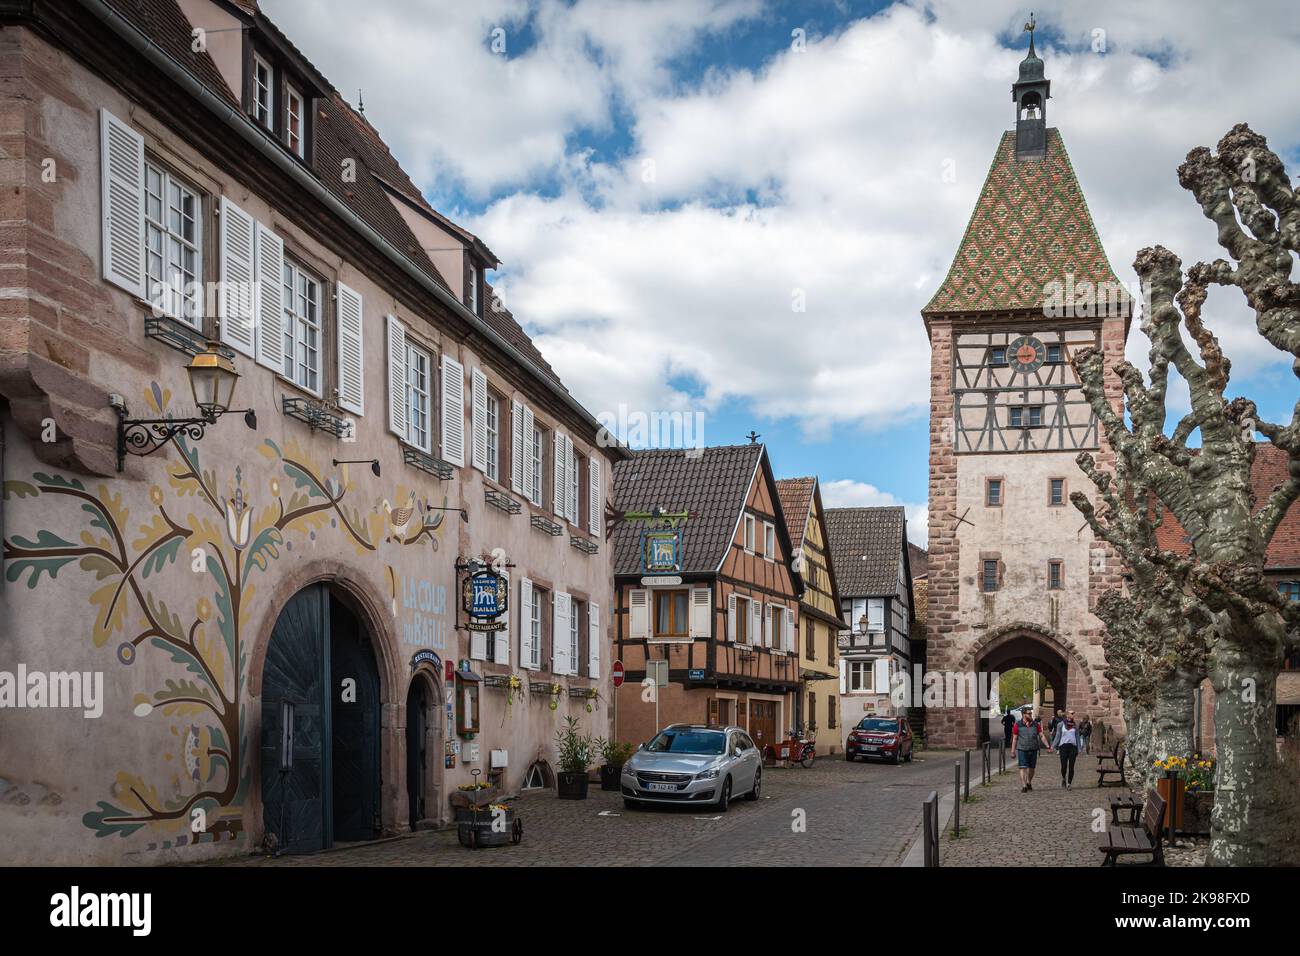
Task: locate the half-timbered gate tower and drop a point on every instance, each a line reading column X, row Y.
column 1014, row 571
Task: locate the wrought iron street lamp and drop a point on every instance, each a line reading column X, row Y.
column 212, row 381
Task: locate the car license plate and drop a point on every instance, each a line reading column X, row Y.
column 662, row 787
column 871, row 746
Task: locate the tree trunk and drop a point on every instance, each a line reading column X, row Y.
column 1255, row 820
column 1173, row 723
column 1137, row 737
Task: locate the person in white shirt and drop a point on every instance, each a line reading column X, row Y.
column 1065, row 741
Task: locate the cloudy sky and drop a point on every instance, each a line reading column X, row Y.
column 670, row 182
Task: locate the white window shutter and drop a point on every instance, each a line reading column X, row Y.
column 731, row 618
column 478, row 418
column 789, row 629
column 121, row 183
column 269, row 271
column 396, row 377
column 882, row 675
column 595, row 500
column 560, row 633
column 453, row 411
column 843, row 678
column 573, row 480
column 767, row 625
column 352, row 377
column 526, row 623
column 756, row 622
column 478, row 645
column 517, row 446
column 530, row 448
column 593, row 641
column 639, row 614
column 561, row 476
column 876, row 615
column 235, row 298
column 701, row 609
column 501, row 638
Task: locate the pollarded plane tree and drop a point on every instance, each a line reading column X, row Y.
column 1244, row 190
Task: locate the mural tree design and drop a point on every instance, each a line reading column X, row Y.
column 227, row 538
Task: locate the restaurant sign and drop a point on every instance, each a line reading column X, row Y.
column 484, row 596
column 661, row 550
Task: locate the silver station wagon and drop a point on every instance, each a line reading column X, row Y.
column 693, row 764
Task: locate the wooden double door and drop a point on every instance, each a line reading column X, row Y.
column 763, row 723
column 321, row 660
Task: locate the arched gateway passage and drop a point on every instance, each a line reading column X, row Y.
column 1064, row 672
column 321, row 660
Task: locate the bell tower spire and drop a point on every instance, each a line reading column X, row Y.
column 1030, row 94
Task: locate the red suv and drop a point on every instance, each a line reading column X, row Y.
column 887, row 737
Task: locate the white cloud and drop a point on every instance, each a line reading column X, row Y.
column 847, row 493
column 818, row 174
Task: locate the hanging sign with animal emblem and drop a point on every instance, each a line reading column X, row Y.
column 485, row 597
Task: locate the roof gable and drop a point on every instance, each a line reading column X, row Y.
column 713, row 482
column 1030, row 226
column 867, row 547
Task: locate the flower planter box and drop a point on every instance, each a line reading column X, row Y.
column 1197, row 806
column 609, row 777
column 478, row 827
column 571, row 785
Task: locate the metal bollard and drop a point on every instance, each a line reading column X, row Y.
column 986, row 768
column 1002, row 756
column 967, row 786
column 956, row 799
column 930, row 828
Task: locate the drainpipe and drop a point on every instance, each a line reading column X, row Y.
column 244, row 127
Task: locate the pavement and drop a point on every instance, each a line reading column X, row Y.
column 834, row 813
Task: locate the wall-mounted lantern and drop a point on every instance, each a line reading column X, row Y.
column 212, row 381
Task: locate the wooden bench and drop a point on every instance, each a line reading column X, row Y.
column 1147, row 840
column 1129, row 804
column 1112, row 765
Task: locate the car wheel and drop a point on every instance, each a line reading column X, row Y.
column 725, row 800
column 850, row 758
column 758, row 785
column 898, row 757
column 629, row 804
column 911, row 751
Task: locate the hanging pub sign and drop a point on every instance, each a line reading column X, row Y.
column 484, row 597
column 661, row 550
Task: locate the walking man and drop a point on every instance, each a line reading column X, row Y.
column 1066, row 742
column 1085, row 733
column 1028, row 734
column 1008, row 724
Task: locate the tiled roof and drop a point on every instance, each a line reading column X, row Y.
column 1031, row 226
column 713, row 483
column 506, row 326
column 919, row 560
column 1267, row 472
column 867, row 548
column 164, row 23
column 796, row 501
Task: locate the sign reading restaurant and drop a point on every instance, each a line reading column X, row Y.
column 485, row 597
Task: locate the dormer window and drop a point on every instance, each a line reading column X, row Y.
column 293, row 117
column 280, row 98
column 263, row 93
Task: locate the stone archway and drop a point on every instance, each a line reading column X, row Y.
column 1023, row 644
column 422, row 796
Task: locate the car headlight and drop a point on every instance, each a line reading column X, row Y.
column 629, row 770
column 708, row 774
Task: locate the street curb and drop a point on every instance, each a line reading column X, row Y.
column 915, row 855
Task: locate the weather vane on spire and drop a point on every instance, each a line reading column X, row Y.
column 1030, row 25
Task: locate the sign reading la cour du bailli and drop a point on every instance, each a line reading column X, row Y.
column 485, row 598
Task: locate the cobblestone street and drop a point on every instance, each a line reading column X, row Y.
column 1049, row 826
column 856, row 814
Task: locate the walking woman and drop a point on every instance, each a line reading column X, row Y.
column 1065, row 741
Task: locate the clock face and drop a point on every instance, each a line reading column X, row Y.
column 1025, row 354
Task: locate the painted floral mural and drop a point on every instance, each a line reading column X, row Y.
column 230, row 528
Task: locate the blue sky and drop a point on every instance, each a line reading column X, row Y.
column 665, row 179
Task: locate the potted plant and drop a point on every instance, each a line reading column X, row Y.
column 1193, row 799
column 574, row 752
column 614, row 755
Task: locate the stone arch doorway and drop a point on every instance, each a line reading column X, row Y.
column 424, row 757
column 1066, row 678
column 321, row 660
